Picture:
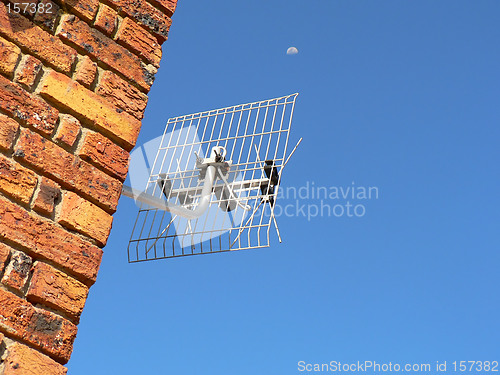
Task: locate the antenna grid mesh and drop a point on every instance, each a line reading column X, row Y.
column 240, row 211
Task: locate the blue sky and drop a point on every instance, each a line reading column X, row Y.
column 401, row 95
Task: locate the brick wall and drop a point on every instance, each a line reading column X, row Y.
column 74, row 78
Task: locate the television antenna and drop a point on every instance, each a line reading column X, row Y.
column 214, row 182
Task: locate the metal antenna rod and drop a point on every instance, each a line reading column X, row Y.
column 272, row 207
column 231, row 193
column 275, row 223
column 243, row 227
column 258, row 158
column 177, row 209
column 289, row 156
column 161, row 234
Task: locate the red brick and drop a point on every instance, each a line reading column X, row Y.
column 46, row 196
column 8, row 131
column 84, row 103
column 86, row 9
column 17, row 271
column 44, row 330
column 55, row 289
column 47, row 15
column 122, row 94
column 102, row 48
column 86, row 71
column 133, row 36
column 106, row 20
column 38, row 42
column 68, row 130
column 16, row 181
column 68, row 170
column 154, row 19
column 22, row 360
column 168, row 6
column 4, row 255
column 21, row 105
column 28, row 71
column 82, row 216
column 9, row 55
column 44, row 239
column 100, row 151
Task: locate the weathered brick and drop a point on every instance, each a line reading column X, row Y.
column 46, row 196
column 68, row 130
column 85, row 217
column 9, row 54
column 28, row 71
column 68, row 170
column 4, row 255
column 100, row 151
column 37, row 41
column 86, row 71
column 133, row 36
column 86, row 9
column 55, row 289
column 168, row 6
column 47, row 14
column 17, row 271
column 122, row 94
column 32, row 111
column 46, row 331
column 100, row 47
column 156, row 20
column 84, row 103
column 45, row 239
column 106, row 20
column 16, row 181
column 8, row 131
column 22, row 360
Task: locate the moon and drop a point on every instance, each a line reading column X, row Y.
column 292, row 51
